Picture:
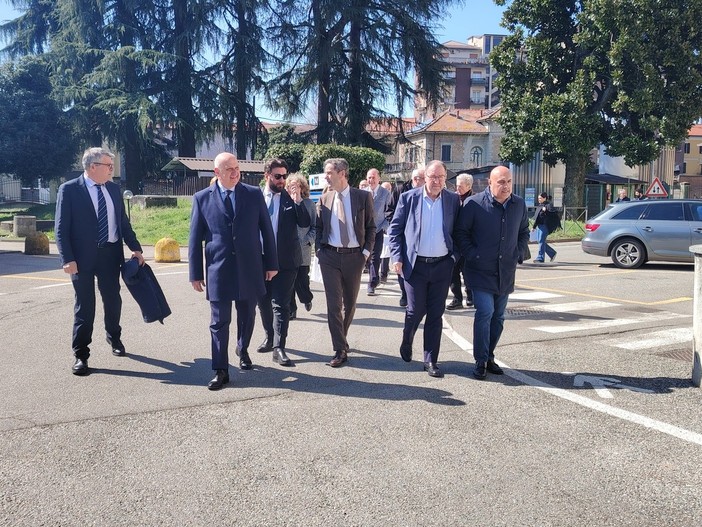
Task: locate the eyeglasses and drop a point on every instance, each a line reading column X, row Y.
column 435, row 178
column 279, row 176
column 109, row 165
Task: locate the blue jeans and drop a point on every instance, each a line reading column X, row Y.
column 544, row 248
column 487, row 324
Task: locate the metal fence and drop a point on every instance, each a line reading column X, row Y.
column 11, row 191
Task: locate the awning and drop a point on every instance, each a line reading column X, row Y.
column 199, row 164
column 611, row 179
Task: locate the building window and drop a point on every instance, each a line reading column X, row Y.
column 446, row 153
column 684, row 170
column 476, row 156
column 700, row 147
column 687, row 148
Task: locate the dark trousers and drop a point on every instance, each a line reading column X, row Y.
column 275, row 306
column 219, row 329
column 384, row 267
column 456, row 282
column 374, row 260
column 341, row 274
column 302, row 287
column 427, row 289
column 106, row 271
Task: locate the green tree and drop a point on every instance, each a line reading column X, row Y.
column 27, row 112
column 360, row 159
column 352, row 59
column 576, row 74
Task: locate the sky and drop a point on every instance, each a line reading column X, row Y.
column 465, row 19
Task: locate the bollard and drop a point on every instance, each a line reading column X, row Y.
column 167, row 250
column 24, row 225
column 696, row 317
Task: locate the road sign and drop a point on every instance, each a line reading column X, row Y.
column 656, row 190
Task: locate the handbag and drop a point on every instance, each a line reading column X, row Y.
column 534, row 236
column 315, row 271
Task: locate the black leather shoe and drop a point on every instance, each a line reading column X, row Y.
column 220, row 379
column 492, row 367
column 480, row 371
column 406, row 352
column 293, row 315
column 339, row 358
column 308, row 306
column 455, row 304
column 117, row 348
column 244, row 359
column 281, row 358
column 403, row 301
column 432, row 369
column 265, row 346
column 80, row 367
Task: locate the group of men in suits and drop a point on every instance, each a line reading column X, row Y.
column 244, row 251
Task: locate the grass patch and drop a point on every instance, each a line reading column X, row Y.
column 150, row 225
column 154, row 223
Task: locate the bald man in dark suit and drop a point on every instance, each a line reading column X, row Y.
column 232, row 219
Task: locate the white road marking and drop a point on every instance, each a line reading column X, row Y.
column 600, row 385
column 659, row 426
column 569, row 307
column 608, row 323
column 533, row 295
column 656, row 339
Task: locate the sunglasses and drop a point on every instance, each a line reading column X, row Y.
column 279, row 176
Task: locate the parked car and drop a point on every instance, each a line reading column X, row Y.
column 635, row 232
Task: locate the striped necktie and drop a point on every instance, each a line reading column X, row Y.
column 103, row 234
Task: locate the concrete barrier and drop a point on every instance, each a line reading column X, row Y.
column 36, row 243
column 24, row 225
column 696, row 250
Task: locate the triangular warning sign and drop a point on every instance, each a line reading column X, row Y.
column 656, row 190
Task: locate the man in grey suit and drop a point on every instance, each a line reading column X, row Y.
column 91, row 226
column 345, row 238
column 381, row 208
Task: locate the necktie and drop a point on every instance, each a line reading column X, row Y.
column 103, row 233
column 271, row 206
column 341, row 214
column 228, row 204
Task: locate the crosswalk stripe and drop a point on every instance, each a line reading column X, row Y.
column 656, row 339
column 575, row 306
column 608, row 323
column 533, row 295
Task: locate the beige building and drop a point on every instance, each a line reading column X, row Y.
column 462, row 139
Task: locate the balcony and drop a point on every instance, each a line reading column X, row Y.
column 477, row 81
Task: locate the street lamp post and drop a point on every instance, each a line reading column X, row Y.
column 128, row 195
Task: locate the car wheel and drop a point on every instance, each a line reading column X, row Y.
column 628, row 254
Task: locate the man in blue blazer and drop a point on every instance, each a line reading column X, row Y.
column 90, row 227
column 492, row 234
column 232, row 220
column 287, row 213
column 422, row 250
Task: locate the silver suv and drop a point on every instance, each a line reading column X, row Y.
column 634, row 232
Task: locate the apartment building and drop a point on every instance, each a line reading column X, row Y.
column 470, row 80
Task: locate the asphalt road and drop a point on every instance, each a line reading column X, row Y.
column 596, row 421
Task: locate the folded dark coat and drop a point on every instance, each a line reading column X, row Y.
column 142, row 284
